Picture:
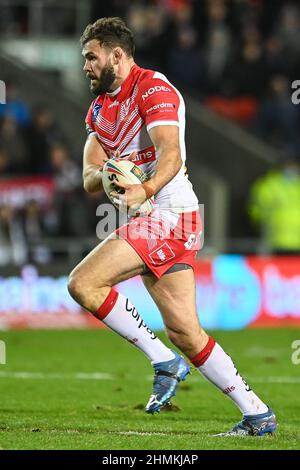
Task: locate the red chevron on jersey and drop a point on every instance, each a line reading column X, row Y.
column 122, row 122
column 119, row 117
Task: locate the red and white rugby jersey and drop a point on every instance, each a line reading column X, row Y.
column 122, row 119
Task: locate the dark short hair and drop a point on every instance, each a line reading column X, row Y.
column 111, row 32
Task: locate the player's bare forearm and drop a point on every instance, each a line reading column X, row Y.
column 92, row 179
column 168, row 166
column 94, row 158
column 166, row 141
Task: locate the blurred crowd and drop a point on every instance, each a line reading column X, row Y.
column 35, row 154
column 239, row 57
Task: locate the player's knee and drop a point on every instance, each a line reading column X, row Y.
column 75, row 286
column 79, row 285
column 85, row 292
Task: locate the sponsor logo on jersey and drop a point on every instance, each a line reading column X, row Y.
column 145, row 156
column 155, row 89
column 115, row 103
column 160, row 106
column 96, row 110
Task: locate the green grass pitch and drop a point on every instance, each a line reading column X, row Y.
column 88, row 389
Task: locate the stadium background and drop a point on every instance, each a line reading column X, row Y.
column 235, row 62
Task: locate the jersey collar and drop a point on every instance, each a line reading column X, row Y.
column 127, row 82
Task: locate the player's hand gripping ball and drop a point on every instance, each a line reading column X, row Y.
column 124, row 172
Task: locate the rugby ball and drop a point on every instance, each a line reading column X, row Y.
column 124, row 172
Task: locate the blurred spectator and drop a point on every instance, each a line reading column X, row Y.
column 275, row 207
column 277, row 120
column 288, row 29
column 14, row 105
column 276, row 57
column 33, row 222
column 149, row 25
column 243, row 80
column 4, row 163
column 183, row 15
column 247, row 73
column 186, row 61
column 14, row 18
column 216, row 16
column 217, row 54
column 42, row 133
column 70, row 203
column 252, row 14
column 13, row 144
column 13, row 247
column 35, row 227
column 67, row 175
column 156, row 32
column 136, row 22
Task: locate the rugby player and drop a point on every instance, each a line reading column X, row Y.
column 138, row 113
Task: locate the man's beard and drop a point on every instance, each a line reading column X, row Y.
column 105, row 82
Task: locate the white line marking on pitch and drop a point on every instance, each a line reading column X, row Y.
column 138, row 433
column 50, row 375
column 276, row 380
column 105, row 376
column 260, row 351
column 270, row 380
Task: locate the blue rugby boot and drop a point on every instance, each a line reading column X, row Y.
column 254, row 425
column 167, row 376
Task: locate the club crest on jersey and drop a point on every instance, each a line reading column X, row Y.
column 162, row 254
column 95, row 112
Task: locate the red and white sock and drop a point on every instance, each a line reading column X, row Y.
column 217, row 367
column 118, row 313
